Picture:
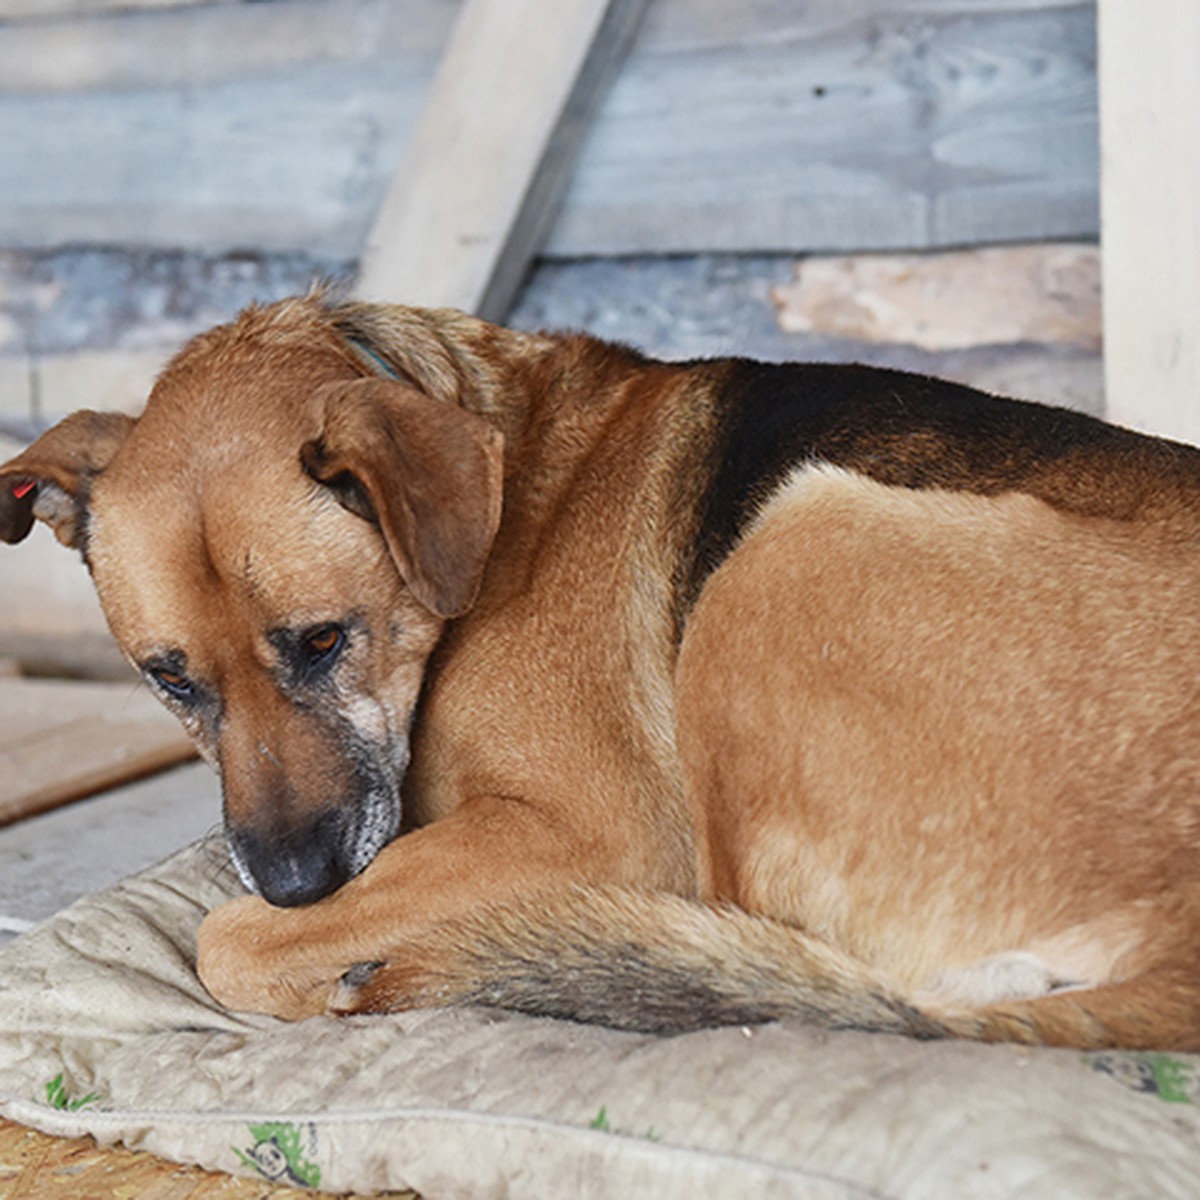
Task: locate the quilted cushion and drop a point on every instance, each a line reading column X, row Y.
column 105, row 1030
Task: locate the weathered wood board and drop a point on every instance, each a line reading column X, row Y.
column 1150, row 106
column 482, row 178
column 787, row 125
column 61, row 741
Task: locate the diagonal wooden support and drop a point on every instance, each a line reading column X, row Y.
column 480, row 182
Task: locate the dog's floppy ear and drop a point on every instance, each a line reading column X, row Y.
column 429, row 473
column 50, row 479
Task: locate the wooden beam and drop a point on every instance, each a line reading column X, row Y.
column 485, row 170
column 1150, row 205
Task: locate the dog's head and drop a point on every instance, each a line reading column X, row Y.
column 277, row 543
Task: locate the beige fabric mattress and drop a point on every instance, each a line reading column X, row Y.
column 105, row 1030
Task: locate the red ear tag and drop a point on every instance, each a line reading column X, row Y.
column 21, row 490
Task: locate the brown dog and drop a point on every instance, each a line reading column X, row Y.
column 740, row 691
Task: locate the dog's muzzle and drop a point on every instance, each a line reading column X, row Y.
column 300, row 865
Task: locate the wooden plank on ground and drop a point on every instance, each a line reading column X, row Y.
column 62, row 741
column 35, row 1165
column 484, row 173
column 1150, row 121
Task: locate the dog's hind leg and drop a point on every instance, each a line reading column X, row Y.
column 1157, row 1010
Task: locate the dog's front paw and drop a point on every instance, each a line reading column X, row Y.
column 250, row 959
column 384, row 987
column 353, row 991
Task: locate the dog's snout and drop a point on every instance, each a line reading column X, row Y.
column 294, row 868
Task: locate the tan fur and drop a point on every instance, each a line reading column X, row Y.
column 916, row 759
column 1037, row 766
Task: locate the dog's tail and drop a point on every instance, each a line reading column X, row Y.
column 655, row 962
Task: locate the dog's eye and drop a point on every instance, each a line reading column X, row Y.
column 179, row 687
column 323, row 645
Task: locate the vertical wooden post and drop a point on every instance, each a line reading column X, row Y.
column 480, row 182
column 1150, row 209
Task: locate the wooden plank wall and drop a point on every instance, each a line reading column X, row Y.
column 774, row 125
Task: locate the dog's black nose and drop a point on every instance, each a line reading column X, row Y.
column 293, row 868
column 292, row 880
